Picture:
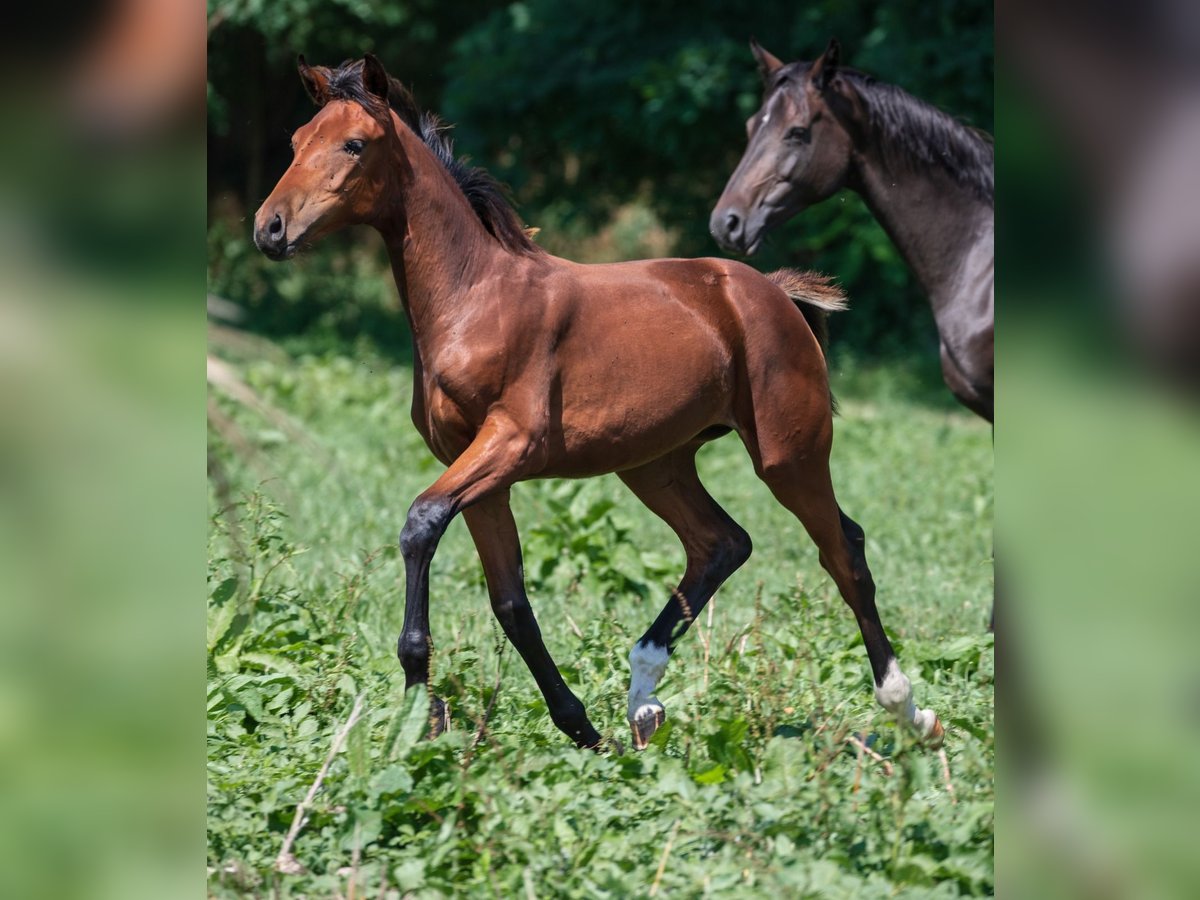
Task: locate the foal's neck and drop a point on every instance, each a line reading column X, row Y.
column 933, row 219
column 438, row 247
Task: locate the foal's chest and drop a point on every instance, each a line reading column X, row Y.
column 453, row 402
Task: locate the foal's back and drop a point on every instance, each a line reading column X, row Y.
column 643, row 357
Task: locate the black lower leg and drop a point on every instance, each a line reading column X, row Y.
column 423, row 529
column 860, row 596
column 521, row 627
column 706, row 572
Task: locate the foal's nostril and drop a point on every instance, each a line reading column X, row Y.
column 276, row 226
column 733, row 224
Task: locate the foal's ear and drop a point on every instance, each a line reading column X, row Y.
column 316, row 80
column 826, row 66
column 768, row 65
column 375, row 77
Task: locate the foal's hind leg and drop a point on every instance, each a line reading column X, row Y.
column 802, row 484
column 715, row 545
column 495, row 534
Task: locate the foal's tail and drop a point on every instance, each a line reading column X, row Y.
column 815, row 295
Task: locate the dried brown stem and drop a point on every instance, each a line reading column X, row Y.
column 888, row 769
column 285, row 862
column 946, row 775
column 662, row 863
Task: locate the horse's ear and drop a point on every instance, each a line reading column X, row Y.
column 768, row 65
column 316, row 80
column 826, row 66
column 375, row 77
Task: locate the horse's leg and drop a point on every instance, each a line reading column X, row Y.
column 715, row 545
column 491, row 463
column 495, row 534
column 799, row 479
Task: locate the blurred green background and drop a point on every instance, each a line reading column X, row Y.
column 616, row 126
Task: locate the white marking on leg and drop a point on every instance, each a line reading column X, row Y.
column 647, row 663
column 896, row 696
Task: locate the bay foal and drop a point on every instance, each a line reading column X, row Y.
column 528, row 366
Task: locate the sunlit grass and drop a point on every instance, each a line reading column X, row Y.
column 755, row 783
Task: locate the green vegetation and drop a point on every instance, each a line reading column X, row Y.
column 754, row 785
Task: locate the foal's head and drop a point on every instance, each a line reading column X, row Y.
column 342, row 166
column 798, row 153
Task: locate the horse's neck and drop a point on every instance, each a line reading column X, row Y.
column 438, row 247
column 933, row 220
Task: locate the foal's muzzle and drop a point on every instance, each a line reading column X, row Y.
column 270, row 235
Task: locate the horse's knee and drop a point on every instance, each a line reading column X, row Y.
column 427, row 520
column 413, row 650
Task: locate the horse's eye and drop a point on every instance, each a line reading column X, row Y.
column 797, row 135
column 353, row 147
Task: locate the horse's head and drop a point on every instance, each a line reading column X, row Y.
column 341, row 164
column 798, row 153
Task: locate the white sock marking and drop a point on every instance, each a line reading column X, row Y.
column 647, row 663
column 895, row 695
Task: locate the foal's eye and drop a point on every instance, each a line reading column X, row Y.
column 797, row 135
column 353, row 147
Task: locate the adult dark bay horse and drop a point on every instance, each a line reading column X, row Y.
column 528, row 366
column 927, row 178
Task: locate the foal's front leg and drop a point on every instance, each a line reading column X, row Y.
column 495, row 534
column 492, row 462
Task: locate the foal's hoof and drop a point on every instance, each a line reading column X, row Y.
column 935, row 736
column 929, row 729
column 609, row 746
column 647, row 720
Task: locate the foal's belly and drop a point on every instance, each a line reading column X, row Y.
column 583, row 452
column 628, row 421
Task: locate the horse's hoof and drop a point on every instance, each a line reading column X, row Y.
column 935, row 736
column 610, row 745
column 646, row 721
column 439, row 717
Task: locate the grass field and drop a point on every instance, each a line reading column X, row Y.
column 755, row 786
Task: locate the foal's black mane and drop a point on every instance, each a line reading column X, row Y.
column 910, row 130
column 483, row 192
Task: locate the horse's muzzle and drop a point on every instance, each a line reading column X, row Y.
column 727, row 225
column 270, row 236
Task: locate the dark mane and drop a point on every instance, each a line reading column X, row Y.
column 912, row 131
column 483, row 192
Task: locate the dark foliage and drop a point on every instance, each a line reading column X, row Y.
column 591, row 110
